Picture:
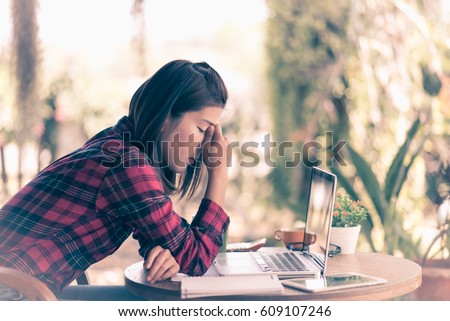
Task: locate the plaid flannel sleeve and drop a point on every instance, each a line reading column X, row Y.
column 135, row 195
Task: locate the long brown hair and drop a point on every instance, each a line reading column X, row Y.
column 178, row 87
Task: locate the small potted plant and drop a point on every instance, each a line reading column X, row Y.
column 346, row 223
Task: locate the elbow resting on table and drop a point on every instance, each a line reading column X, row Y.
column 198, row 262
column 196, row 266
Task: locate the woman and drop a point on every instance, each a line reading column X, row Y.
column 82, row 207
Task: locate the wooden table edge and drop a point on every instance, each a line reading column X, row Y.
column 168, row 290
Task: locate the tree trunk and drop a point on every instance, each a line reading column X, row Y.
column 25, row 53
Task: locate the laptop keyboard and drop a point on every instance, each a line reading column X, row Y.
column 280, row 262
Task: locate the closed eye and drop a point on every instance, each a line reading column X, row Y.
column 201, row 130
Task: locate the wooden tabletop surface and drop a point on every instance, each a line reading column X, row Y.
column 402, row 275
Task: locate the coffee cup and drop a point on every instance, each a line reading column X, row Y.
column 294, row 238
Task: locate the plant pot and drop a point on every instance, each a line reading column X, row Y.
column 346, row 238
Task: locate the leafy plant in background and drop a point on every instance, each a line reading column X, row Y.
column 384, row 197
column 336, row 68
column 307, row 46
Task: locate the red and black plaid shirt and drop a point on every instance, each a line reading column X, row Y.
column 77, row 211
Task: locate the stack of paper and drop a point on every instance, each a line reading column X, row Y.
column 201, row 286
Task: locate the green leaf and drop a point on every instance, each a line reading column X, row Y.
column 370, row 182
column 404, row 171
column 409, row 248
column 430, row 81
column 393, row 182
column 345, row 183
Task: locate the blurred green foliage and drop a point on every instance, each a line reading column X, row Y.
column 371, row 73
column 305, row 48
column 384, row 197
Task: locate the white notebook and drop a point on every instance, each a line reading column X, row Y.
column 201, row 286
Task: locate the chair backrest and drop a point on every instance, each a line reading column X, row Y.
column 30, row 287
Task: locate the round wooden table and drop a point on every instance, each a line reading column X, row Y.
column 402, row 275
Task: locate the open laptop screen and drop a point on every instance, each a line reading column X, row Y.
column 320, row 209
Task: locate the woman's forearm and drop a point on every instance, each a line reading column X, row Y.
column 216, row 188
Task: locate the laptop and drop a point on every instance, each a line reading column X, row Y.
column 310, row 261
